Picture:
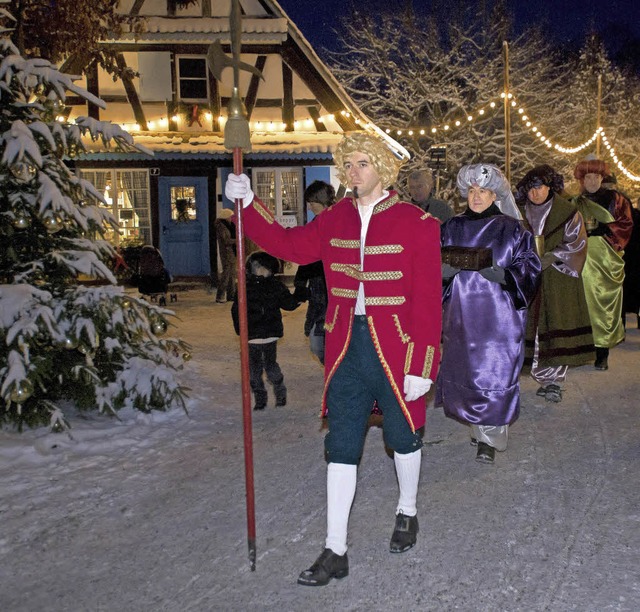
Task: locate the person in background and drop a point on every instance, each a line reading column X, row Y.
column 631, row 283
column 485, row 311
column 226, row 237
column 609, row 228
column 558, row 327
column 381, row 258
column 631, row 286
column 309, row 281
column 420, row 185
column 266, row 295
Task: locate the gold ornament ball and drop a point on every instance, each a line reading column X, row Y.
column 21, row 221
column 126, row 303
column 186, row 356
column 86, row 349
column 22, row 391
column 23, row 171
column 53, row 224
column 69, row 342
column 159, row 327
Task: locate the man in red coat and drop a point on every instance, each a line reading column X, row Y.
column 381, row 258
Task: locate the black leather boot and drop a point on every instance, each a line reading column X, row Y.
column 327, row 566
column 602, row 358
column 261, row 400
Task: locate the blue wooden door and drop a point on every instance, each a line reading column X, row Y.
column 184, row 225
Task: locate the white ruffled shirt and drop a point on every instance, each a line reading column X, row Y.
column 365, row 218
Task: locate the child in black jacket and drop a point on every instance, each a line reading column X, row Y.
column 266, row 295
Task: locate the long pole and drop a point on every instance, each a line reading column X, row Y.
column 244, row 371
column 598, row 115
column 237, row 137
column 507, row 112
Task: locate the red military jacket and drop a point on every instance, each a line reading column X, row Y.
column 401, row 277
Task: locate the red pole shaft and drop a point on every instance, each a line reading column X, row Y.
column 244, row 370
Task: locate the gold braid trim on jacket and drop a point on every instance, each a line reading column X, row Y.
column 344, row 244
column 338, row 361
column 355, row 272
column 329, row 326
column 263, row 212
column 428, row 362
column 383, row 249
column 387, row 369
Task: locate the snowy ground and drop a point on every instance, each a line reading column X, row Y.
column 147, row 513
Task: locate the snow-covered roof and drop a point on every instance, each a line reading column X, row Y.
column 207, row 29
column 178, row 145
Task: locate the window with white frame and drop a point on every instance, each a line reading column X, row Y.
column 193, row 85
column 281, row 190
column 127, row 197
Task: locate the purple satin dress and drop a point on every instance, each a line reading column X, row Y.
column 483, row 324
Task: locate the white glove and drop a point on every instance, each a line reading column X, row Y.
column 238, row 187
column 415, row 387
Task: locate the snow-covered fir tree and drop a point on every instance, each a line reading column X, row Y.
column 63, row 342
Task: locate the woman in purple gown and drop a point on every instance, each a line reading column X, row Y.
column 484, row 311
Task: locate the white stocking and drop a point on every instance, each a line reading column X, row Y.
column 408, row 471
column 341, row 489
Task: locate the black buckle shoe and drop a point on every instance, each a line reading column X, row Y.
column 405, row 533
column 327, row 566
column 486, row 453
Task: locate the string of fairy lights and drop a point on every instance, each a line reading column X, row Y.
column 308, row 125
column 529, row 123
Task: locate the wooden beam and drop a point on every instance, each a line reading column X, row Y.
column 76, row 63
column 91, row 71
column 315, row 115
column 252, row 90
column 132, row 94
column 325, row 94
column 135, row 9
column 214, row 102
column 288, row 115
column 172, row 105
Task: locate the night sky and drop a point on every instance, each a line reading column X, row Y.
column 568, row 20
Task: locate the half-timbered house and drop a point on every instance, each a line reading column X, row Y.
column 174, row 106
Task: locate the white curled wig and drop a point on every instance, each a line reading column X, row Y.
column 383, row 159
column 489, row 177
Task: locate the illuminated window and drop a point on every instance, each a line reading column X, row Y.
column 280, row 189
column 126, row 193
column 183, row 204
